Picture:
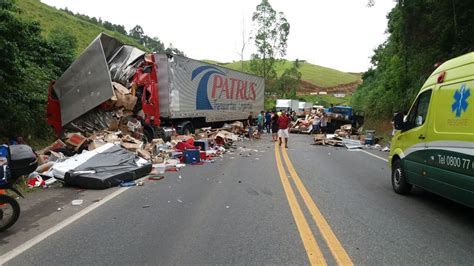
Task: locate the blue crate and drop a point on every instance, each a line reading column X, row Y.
column 191, row 156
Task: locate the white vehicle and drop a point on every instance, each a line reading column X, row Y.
column 304, row 106
column 287, row 105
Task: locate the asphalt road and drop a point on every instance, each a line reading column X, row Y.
column 248, row 208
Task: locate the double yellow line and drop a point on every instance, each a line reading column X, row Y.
column 313, row 251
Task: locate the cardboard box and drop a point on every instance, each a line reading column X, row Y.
column 95, row 144
column 129, row 102
column 133, row 147
column 120, row 88
column 158, row 160
column 55, row 145
column 158, row 141
column 144, row 154
column 114, row 125
column 75, row 140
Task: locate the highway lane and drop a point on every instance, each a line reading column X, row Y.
column 239, row 210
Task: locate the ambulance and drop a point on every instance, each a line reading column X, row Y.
column 433, row 147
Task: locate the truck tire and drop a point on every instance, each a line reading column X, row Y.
column 188, row 129
column 185, row 128
column 399, row 181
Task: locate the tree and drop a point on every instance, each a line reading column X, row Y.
column 271, row 35
column 154, row 44
column 28, row 62
column 244, row 43
column 422, row 33
column 64, row 44
column 289, row 81
column 137, row 33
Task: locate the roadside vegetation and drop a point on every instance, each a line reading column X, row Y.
column 37, row 44
column 422, row 34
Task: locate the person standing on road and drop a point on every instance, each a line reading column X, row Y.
column 283, row 132
column 260, row 122
column 324, row 123
column 293, row 116
column 249, row 124
column 316, row 124
column 268, row 121
column 275, row 127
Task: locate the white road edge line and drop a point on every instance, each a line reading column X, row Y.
column 371, row 154
column 35, row 240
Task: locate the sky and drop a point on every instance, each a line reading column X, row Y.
column 339, row 34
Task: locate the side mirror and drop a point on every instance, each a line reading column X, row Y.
column 398, row 121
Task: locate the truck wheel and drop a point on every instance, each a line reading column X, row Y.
column 399, row 181
column 187, row 130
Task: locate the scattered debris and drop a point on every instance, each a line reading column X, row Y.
column 77, row 202
column 128, row 184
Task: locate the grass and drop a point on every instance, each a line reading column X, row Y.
column 51, row 18
column 317, row 75
column 383, row 129
column 326, row 100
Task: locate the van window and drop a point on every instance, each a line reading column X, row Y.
column 417, row 116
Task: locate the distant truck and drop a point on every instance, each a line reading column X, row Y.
column 287, row 105
column 173, row 93
column 342, row 115
column 305, row 106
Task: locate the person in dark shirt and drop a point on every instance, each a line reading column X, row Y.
column 250, row 123
column 268, row 118
column 275, row 126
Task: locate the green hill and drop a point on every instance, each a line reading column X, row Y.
column 51, row 18
column 317, row 75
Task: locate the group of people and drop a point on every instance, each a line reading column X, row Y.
column 320, row 123
column 278, row 123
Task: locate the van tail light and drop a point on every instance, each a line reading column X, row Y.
column 441, row 77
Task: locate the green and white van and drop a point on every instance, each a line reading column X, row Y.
column 433, row 147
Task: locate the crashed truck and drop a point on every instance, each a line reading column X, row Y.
column 168, row 93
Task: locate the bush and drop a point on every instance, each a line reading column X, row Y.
column 28, row 61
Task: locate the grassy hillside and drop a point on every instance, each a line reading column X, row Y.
column 317, row 75
column 51, row 18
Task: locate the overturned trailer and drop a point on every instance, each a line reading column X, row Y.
column 164, row 92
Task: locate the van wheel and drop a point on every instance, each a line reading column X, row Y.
column 399, row 181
